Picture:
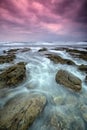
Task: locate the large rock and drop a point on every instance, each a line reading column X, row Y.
column 7, row 58
column 13, row 75
column 57, row 59
column 21, row 111
column 68, row 80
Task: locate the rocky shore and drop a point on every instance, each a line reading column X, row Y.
column 60, row 106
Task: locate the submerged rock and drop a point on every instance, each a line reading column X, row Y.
column 56, row 121
column 76, row 123
column 61, row 121
column 21, row 111
column 57, row 59
column 13, row 75
column 58, row 100
column 7, row 58
column 68, row 80
column 83, row 110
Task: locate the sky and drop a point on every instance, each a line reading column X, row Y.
column 43, row 20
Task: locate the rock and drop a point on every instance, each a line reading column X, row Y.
column 76, row 123
column 11, row 51
column 86, row 79
column 71, row 99
column 7, row 58
column 57, row 59
column 77, row 53
column 21, row 111
column 43, row 49
column 83, row 68
column 13, row 75
column 68, row 80
column 25, row 49
column 59, row 100
column 83, row 110
column 56, row 121
column 14, row 51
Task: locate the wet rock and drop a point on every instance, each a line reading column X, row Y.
column 61, row 121
column 57, row 59
column 83, row 110
column 86, row 79
column 59, row 100
column 7, row 58
column 43, row 49
column 77, row 53
column 25, row 49
column 21, row 111
column 68, row 80
column 56, row 121
column 71, row 99
column 83, row 68
column 76, row 123
column 11, row 51
column 13, row 75
column 14, row 51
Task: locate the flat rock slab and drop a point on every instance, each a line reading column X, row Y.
column 20, row 112
column 68, row 80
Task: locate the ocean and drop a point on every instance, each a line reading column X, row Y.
column 65, row 109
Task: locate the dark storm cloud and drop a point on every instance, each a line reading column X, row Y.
column 82, row 13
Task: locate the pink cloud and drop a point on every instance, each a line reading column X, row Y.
column 42, row 18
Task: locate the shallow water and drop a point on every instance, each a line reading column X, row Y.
column 62, row 102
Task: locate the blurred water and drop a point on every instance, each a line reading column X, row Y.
column 41, row 73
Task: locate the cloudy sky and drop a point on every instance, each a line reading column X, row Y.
column 43, row 20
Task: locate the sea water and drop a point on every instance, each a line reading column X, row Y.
column 40, row 78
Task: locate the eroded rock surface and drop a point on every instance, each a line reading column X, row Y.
column 77, row 53
column 68, row 80
column 21, row 111
column 57, row 59
column 13, row 75
column 7, row 58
